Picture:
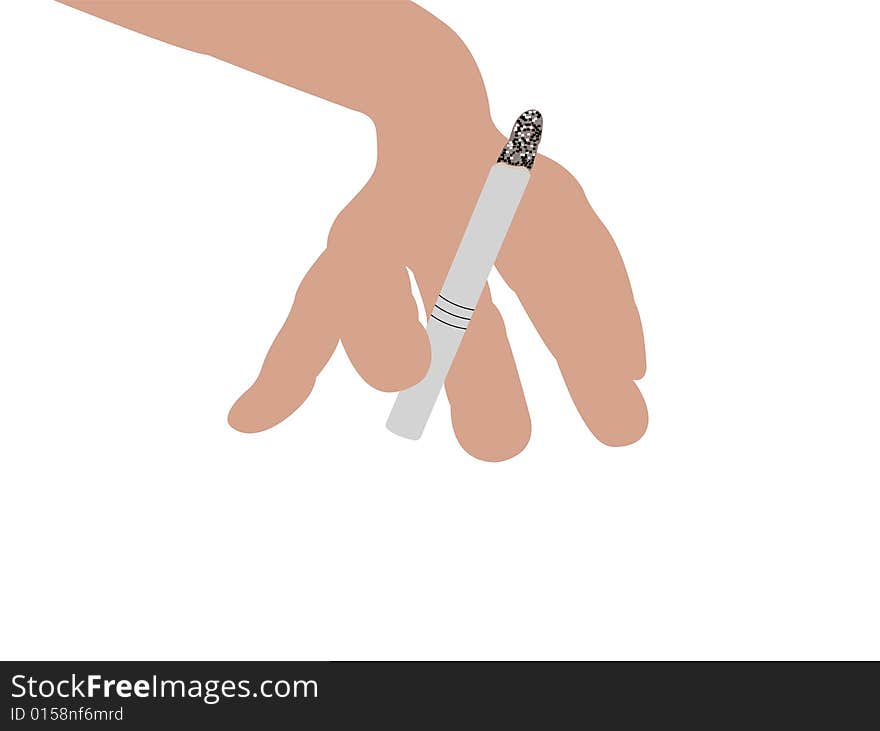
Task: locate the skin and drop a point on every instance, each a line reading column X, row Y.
column 415, row 79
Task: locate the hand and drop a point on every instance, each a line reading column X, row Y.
column 417, row 81
column 558, row 258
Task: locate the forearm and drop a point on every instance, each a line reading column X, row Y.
column 393, row 61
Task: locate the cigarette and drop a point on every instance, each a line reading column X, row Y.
column 479, row 247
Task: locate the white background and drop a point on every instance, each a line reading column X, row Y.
column 157, row 212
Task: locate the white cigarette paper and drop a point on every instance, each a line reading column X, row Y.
column 479, row 247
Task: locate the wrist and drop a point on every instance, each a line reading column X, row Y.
column 447, row 135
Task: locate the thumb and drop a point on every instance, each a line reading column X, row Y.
column 300, row 350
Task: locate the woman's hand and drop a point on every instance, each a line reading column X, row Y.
column 412, row 75
column 557, row 257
